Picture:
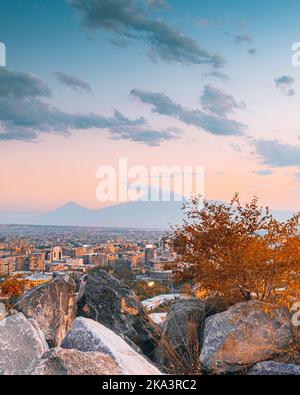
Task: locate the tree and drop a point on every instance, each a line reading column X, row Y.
column 11, row 287
column 239, row 252
column 186, row 289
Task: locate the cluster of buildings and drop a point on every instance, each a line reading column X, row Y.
column 36, row 257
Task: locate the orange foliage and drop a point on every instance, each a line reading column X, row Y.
column 239, row 252
column 11, row 287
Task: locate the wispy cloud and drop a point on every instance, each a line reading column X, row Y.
column 219, row 75
column 243, row 38
column 72, row 82
column 158, row 4
column 21, row 85
column 297, row 176
column 152, row 138
column 264, row 172
column 218, row 102
column 24, row 115
column 252, row 51
column 277, row 154
column 285, row 85
column 214, row 124
column 202, row 22
column 129, row 19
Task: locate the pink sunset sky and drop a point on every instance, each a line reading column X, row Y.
column 222, row 94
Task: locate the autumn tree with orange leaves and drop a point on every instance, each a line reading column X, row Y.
column 239, row 252
column 11, row 287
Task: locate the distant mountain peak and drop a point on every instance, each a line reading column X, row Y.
column 71, row 204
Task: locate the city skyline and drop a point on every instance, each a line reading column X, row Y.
column 158, row 82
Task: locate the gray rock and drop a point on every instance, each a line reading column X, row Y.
column 106, row 300
column 246, row 333
column 52, row 306
column 60, row 362
column 21, row 345
column 271, row 368
column 182, row 331
column 87, row 335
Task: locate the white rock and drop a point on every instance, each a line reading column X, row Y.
column 158, row 318
column 21, row 345
column 87, row 335
column 60, row 362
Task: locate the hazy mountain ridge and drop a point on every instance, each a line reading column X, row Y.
column 139, row 214
column 155, row 215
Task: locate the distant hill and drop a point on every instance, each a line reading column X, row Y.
column 140, row 215
column 153, row 215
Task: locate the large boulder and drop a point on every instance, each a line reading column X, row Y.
column 271, row 368
column 21, row 345
column 87, row 335
column 52, row 306
column 182, row 333
column 108, row 301
column 60, row 362
column 246, row 333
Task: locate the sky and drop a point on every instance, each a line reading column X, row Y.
column 159, row 82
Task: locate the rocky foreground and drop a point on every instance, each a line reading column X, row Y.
column 104, row 330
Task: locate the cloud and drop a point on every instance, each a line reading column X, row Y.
column 34, row 116
column 217, row 74
column 158, row 4
column 276, row 154
column 236, row 147
column 218, row 102
column 20, row 135
column 162, row 104
column 285, row 83
column 149, row 137
column 252, row 51
column 24, row 116
column 202, row 22
column 297, row 176
column 14, row 84
column 264, row 172
column 243, row 38
column 120, row 42
column 72, row 82
column 128, row 19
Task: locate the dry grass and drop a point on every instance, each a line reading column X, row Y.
column 172, row 361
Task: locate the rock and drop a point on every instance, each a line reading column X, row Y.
column 246, row 333
column 182, row 334
column 87, row 335
column 271, row 368
column 106, row 300
column 52, row 306
column 158, row 318
column 61, row 362
column 21, row 345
